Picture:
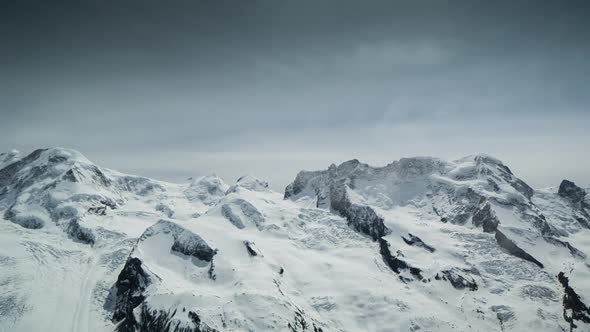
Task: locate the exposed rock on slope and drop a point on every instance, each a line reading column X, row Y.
column 130, row 285
column 413, row 240
column 184, row 242
column 396, row 264
column 573, row 193
column 574, row 310
column 361, row 218
column 513, row 249
column 457, row 278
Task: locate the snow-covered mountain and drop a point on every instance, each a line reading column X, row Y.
column 420, row 244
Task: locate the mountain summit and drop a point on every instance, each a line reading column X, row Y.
column 421, row 244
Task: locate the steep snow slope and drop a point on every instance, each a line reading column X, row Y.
column 421, row 244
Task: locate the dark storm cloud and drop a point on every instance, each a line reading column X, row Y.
column 200, row 81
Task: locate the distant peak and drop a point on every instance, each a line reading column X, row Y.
column 46, row 155
column 353, row 162
column 249, row 182
column 9, row 156
column 481, row 158
column 571, row 191
column 205, row 178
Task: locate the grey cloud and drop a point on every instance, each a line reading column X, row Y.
column 233, row 85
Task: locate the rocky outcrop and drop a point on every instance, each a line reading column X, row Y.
column 458, row 278
column 573, row 250
column 396, row 264
column 361, row 218
column 486, row 218
column 413, row 240
column 577, row 198
column 185, row 241
column 129, row 288
column 80, row 233
column 300, row 324
column 515, row 250
column 573, row 307
column 251, row 248
column 165, row 209
column 573, row 193
column 98, row 210
column 241, row 212
column 195, row 247
column 154, row 320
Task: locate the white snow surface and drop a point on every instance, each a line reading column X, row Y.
column 312, row 270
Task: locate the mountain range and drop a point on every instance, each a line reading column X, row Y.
column 421, row 244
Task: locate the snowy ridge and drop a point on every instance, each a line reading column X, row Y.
column 420, row 244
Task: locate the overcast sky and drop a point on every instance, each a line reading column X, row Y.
column 171, row 89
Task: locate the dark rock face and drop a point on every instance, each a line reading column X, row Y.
column 101, row 209
column 330, row 188
column 573, row 193
column 251, row 248
column 211, row 272
column 109, row 203
column 198, row 249
column 413, row 240
column 577, row 197
column 130, row 285
column 300, row 324
column 457, row 278
column 540, row 223
column 361, row 218
column 30, row 222
column 573, row 307
column 165, row 209
column 159, row 321
column 79, row 233
column 98, row 210
column 486, row 218
column 513, row 249
column 8, row 172
column 200, row 326
column 396, row 264
column 573, row 250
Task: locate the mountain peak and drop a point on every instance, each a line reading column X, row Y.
column 481, row 158
column 571, row 191
column 249, row 182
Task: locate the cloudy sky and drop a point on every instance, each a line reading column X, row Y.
column 171, row 89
